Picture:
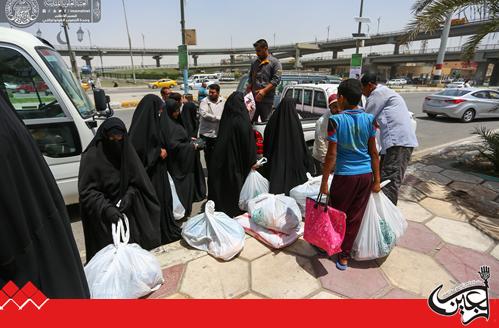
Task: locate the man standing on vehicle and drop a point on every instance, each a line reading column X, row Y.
column 264, row 76
column 398, row 136
column 210, row 113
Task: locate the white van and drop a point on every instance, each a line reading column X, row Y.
column 50, row 101
column 311, row 99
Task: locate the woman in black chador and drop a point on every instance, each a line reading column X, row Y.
column 36, row 241
column 183, row 158
column 111, row 171
column 145, row 136
column 285, row 149
column 233, row 156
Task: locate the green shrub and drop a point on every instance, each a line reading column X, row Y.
column 489, row 148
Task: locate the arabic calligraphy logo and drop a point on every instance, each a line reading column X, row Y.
column 22, row 13
column 471, row 299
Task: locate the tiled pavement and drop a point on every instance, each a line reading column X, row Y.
column 440, row 246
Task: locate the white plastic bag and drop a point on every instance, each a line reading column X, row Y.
column 273, row 239
column 249, row 101
column 122, row 270
column 309, row 189
column 390, row 213
column 375, row 238
column 215, row 233
column 275, row 212
column 178, row 208
column 254, row 185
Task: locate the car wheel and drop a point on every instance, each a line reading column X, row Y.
column 468, row 116
column 431, row 115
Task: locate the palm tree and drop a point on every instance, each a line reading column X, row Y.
column 430, row 16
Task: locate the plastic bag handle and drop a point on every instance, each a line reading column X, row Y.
column 262, row 161
column 121, row 230
column 384, row 183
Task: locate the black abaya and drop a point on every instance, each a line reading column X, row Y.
column 36, row 240
column 233, row 156
column 285, row 149
column 145, row 136
column 107, row 176
column 183, row 159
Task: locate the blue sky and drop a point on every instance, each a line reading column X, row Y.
column 217, row 21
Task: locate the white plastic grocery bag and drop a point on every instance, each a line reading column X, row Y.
column 309, row 189
column 274, row 239
column 375, row 238
column 390, row 213
column 122, row 270
column 275, row 212
column 254, row 185
column 215, row 233
column 249, row 101
column 178, row 208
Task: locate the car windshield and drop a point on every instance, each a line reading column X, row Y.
column 453, row 93
column 67, row 81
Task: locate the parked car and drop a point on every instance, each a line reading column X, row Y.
column 456, row 85
column 162, row 83
column 196, row 84
column 227, row 78
column 31, row 87
column 394, row 82
column 465, row 104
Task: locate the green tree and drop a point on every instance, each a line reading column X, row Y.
column 430, row 15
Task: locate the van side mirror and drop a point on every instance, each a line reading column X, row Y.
column 102, row 101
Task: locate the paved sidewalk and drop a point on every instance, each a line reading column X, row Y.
column 440, row 246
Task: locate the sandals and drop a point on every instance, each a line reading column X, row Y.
column 342, row 262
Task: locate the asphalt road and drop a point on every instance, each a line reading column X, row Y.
column 430, row 132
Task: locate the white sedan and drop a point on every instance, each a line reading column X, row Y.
column 196, row 84
column 397, row 82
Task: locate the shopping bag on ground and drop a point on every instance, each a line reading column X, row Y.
column 390, row 213
column 311, row 189
column 375, row 238
column 178, row 208
column 254, row 185
column 123, row 270
column 215, row 233
column 324, row 226
column 273, row 239
column 276, row 212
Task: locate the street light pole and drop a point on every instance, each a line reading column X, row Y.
column 182, row 25
column 129, row 41
column 90, row 38
column 360, row 26
column 328, row 27
column 144, row 46
column 72, row 58
column 379, row 22
column 437, row 76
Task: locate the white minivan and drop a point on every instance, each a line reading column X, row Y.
column 48, row 98
column 311, row 99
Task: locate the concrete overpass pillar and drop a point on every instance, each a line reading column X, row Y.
column 298, row 64
column 195, row 58
column 396, row 49
column 393, row 71
column 88, row 60
column 481, row 72
column 494, row 78
column 157, row 58
column 232, row 59
column 335, row 54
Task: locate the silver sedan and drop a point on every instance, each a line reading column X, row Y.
column 465, row 104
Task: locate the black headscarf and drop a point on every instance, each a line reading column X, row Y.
column 183, row 159
column 233, row 156
column 109, row 171
column 146, row 136
column 145, row 131
column 189, row 118
column 285, row 149
column 36, row 240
